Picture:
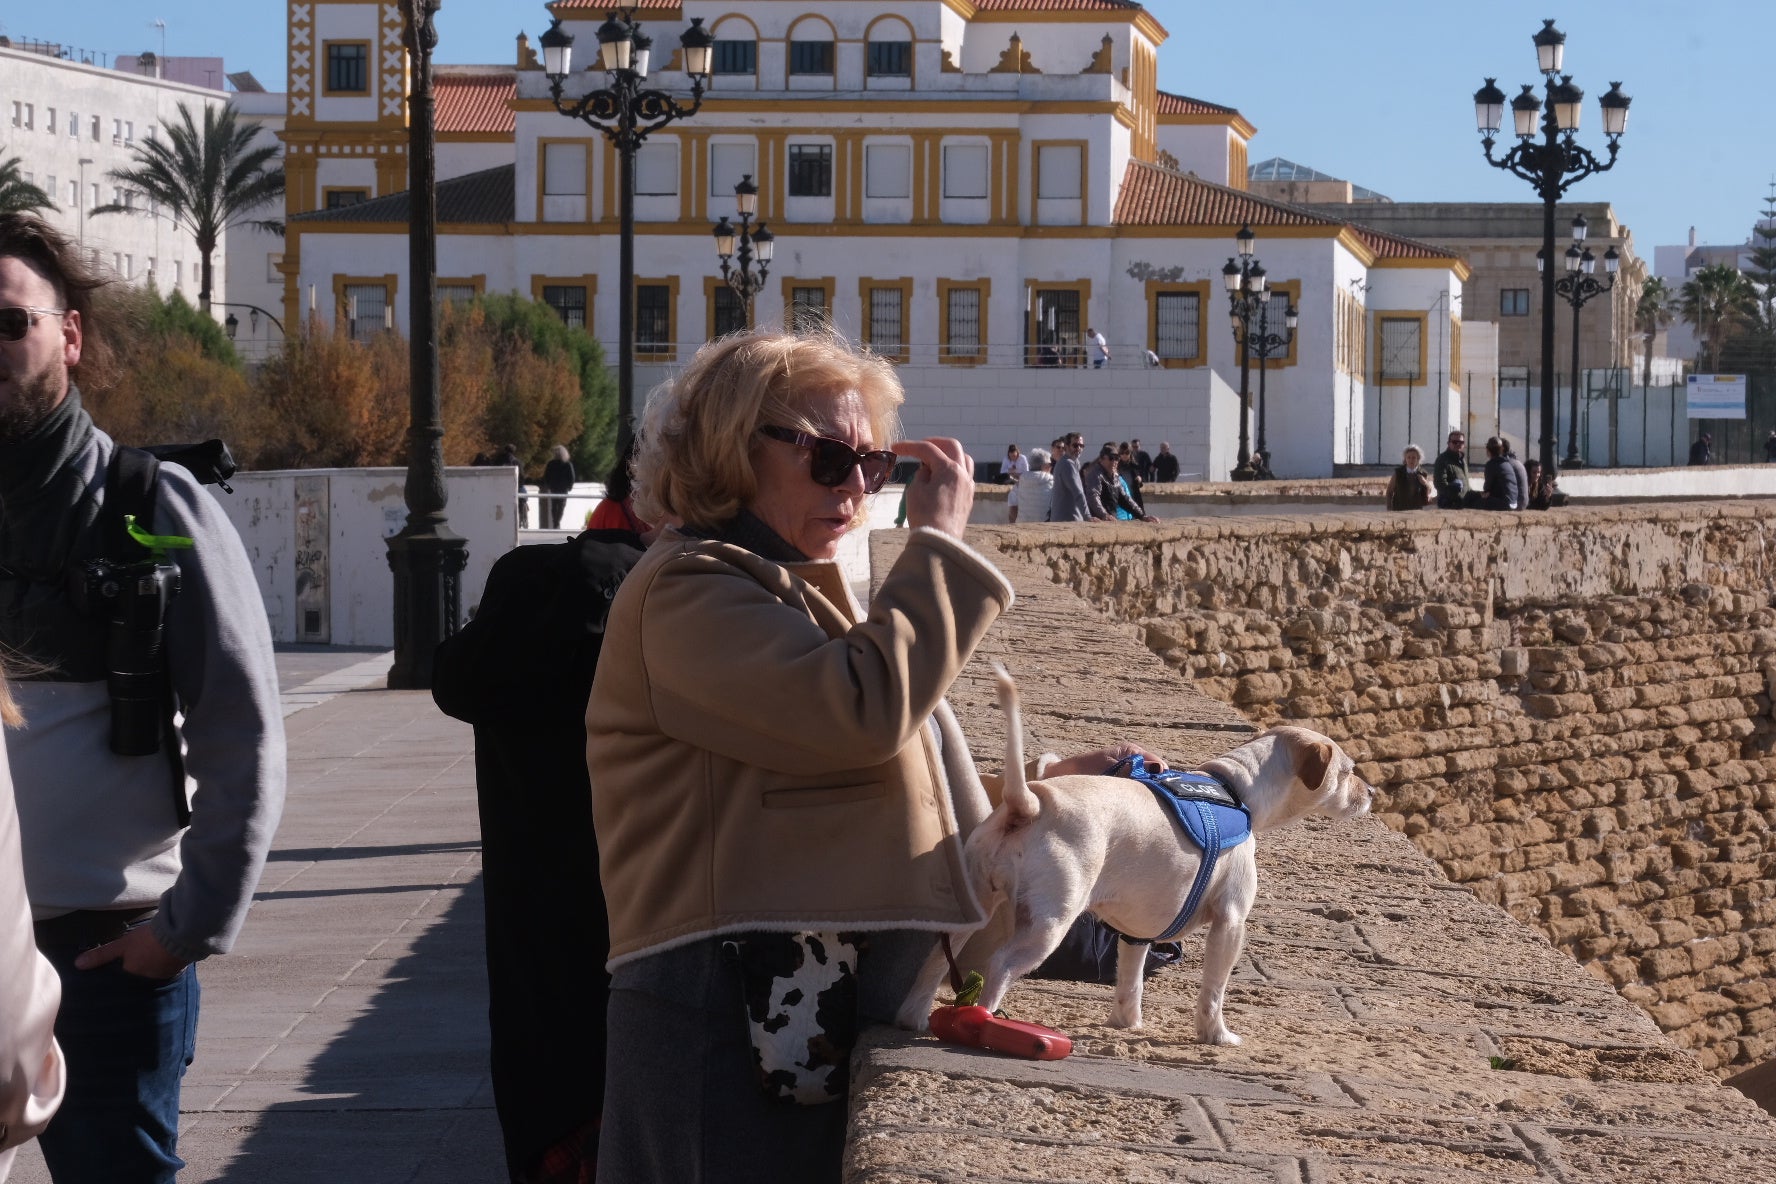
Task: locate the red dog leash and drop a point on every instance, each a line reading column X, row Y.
column 967, row 1023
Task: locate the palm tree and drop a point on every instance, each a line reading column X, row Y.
column 1652, row 312
column 1715, row 302
column 205, row 179
column 17, row 195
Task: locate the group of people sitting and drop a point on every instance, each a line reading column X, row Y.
column 1507, row 484
column 1109, row 489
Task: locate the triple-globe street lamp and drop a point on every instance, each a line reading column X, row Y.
column 1552, row 165
column 1577, row 287
column 627, row 112
column 753, row 243
column 1248, row 300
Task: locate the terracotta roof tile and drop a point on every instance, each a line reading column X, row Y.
column 474, row 102
column 1056, row 6
column 1155, row 196
column 486, row 197
column 560, row 6
column 1170, row 104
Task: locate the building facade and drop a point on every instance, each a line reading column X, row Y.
column 967, row 186
column 70, row 123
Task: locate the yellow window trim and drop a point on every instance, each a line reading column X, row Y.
column 390, row 284
column 904, row 286
column 1377, row 316
column 711, row 285
column 588, row 282
column 1204, row 293
column 326, row 67
column 978, row 354
column 828, row 284
column 1283, row 293
column 542, row 171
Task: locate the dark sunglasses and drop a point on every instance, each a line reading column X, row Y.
column 16, row 322
column 831, row 461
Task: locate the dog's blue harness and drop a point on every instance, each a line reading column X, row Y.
column 1210, row 813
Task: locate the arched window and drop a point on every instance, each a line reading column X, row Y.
column 889, row 50
column 811, row 44
column 736, row 47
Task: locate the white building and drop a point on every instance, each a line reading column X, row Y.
column 966, row 185
column 71, row 123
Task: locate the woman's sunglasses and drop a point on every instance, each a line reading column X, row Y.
column 831, row 461
column 16, row 322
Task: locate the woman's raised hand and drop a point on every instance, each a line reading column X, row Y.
column 941, row 493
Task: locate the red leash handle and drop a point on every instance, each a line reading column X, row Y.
column 976, row 1027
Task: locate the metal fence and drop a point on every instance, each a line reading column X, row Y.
column 1623, row 424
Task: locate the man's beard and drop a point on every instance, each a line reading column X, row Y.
column 33, row 398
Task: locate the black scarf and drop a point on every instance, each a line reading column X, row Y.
column 747, row 530
column 46, row 502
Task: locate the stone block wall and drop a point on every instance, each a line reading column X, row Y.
column 1570, row 711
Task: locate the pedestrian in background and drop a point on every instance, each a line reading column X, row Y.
column 1068, row 504
column 1100, row 350
column 1702, row 451
column 1410, row 486
column 1035, row 488
column 1449, row 475
column 1165, row 465
column 1015, row 466
column 558, row 478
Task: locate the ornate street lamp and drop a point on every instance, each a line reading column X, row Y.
column 1265, row 346
column 626, row 112
column 1553, row 165
column 426, row 556
column 1248, row 301
column 1577, row 287
column 759, row 244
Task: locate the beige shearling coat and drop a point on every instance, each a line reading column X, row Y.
column 762, row 759
column 31, row 1071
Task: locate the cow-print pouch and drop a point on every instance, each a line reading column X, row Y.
column 800, row 991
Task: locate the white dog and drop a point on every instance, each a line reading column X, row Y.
column 1055, row 848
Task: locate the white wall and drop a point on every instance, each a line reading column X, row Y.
column 343, row 570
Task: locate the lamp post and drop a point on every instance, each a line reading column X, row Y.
column 426, row 556
column 758, row 244
column 627, row 113
column 1265, row 346
column 1247, row 292
column 1553, row 165
column 254, row 312
column 1577, row 287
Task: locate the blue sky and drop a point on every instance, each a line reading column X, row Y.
column 1378, row 92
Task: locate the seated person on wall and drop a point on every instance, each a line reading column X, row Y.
column 1410, row 486
column 779, row 788
column 1502, row 490
column 1449, row 475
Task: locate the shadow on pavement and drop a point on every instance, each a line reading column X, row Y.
column 400, row 1092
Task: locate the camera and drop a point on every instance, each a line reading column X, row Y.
column 133, row 597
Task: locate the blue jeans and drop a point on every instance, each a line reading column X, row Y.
column 127, row 1041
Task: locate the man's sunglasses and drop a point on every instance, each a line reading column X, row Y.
column 16, row 322
column 831, row 461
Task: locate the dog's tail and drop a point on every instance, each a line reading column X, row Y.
column 1020, row 803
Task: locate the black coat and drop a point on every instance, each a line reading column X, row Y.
column 521, row 672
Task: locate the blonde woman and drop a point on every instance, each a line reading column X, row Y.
column 31, row 1071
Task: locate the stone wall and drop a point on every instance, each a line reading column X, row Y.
column 1569, row 711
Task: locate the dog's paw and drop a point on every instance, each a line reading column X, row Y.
column 1125, row 1019
column 1221, row 1036
column 913, row 1019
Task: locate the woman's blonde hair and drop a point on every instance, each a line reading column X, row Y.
column 694, row 453
column 9, row 712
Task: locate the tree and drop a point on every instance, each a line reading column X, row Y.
column 1716, row 302
column 205, row 179
column 533, row 420
column 1652, row 312
column 17, row 195
column 1762, row 270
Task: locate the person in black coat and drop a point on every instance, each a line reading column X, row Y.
column 558, row 477
column 521, row 672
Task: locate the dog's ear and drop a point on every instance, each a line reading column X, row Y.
column 1318, row 759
